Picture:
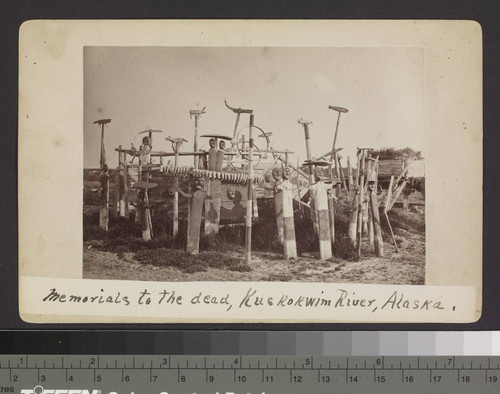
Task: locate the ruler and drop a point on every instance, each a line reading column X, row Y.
column 180, row 374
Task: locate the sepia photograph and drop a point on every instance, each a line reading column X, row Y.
column 254, row 164
column 250, row 171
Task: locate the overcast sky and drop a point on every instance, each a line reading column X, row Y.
column 155, row 87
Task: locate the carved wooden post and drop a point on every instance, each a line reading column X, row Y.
column 379, row 244
column 194, row 217
column 219, row 158
column 319, row 190
column 125, row 186
column 331, row 215
column 249, row 212
column 121, row 182
column 289, row 244
column 278, row 203
column 212, row 154
column 371, row 233
column 104, row 211
column 212, row 206
column 360, row 214
column 314, row 215
column 143, row 208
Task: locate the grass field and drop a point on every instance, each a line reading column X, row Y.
column 121, row 253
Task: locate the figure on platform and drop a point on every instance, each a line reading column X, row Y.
column 212, row 154
column 320, row 193
column 220, row 156
column 145, row 151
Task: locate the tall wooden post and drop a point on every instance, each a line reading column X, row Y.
column 175, row 218
column 353, row 220
column 331, row 216
column 195, row 144
column 104, row 211
column 278, row 204
column 125, row 186
column 349, row 174
column 114, row 201
column 371, row 233
column 248, row 238
column 379, row 244
column 194, row 215
column 142, row 207
column 289, row 244
column 121, row 183
column 325, row 242
column 360, row 214
column 314, row 213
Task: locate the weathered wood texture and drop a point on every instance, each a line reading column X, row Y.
column 212, row 206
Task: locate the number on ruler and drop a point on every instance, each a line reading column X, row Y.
column 492, row 379
column 436, row 379
column 297, row 379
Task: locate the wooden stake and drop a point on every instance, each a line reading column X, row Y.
column 121, row 183
column 319, row 190
column 370, row 226
column 175, row 215
column 278, row 209
column 396, row 194
column 389, row 195
column 289, row 244
column 142, row 208
column 392, row 233
column 248, row 233
column 349, row 174
column 104, row 211
column 125, row 187
column 352, row 231
column 331, row 216
column 360, row 215
column 379, row 243
column 195, row 203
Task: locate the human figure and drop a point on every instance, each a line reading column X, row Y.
column 145, row 151
column 220, row 156
column 212, row 154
